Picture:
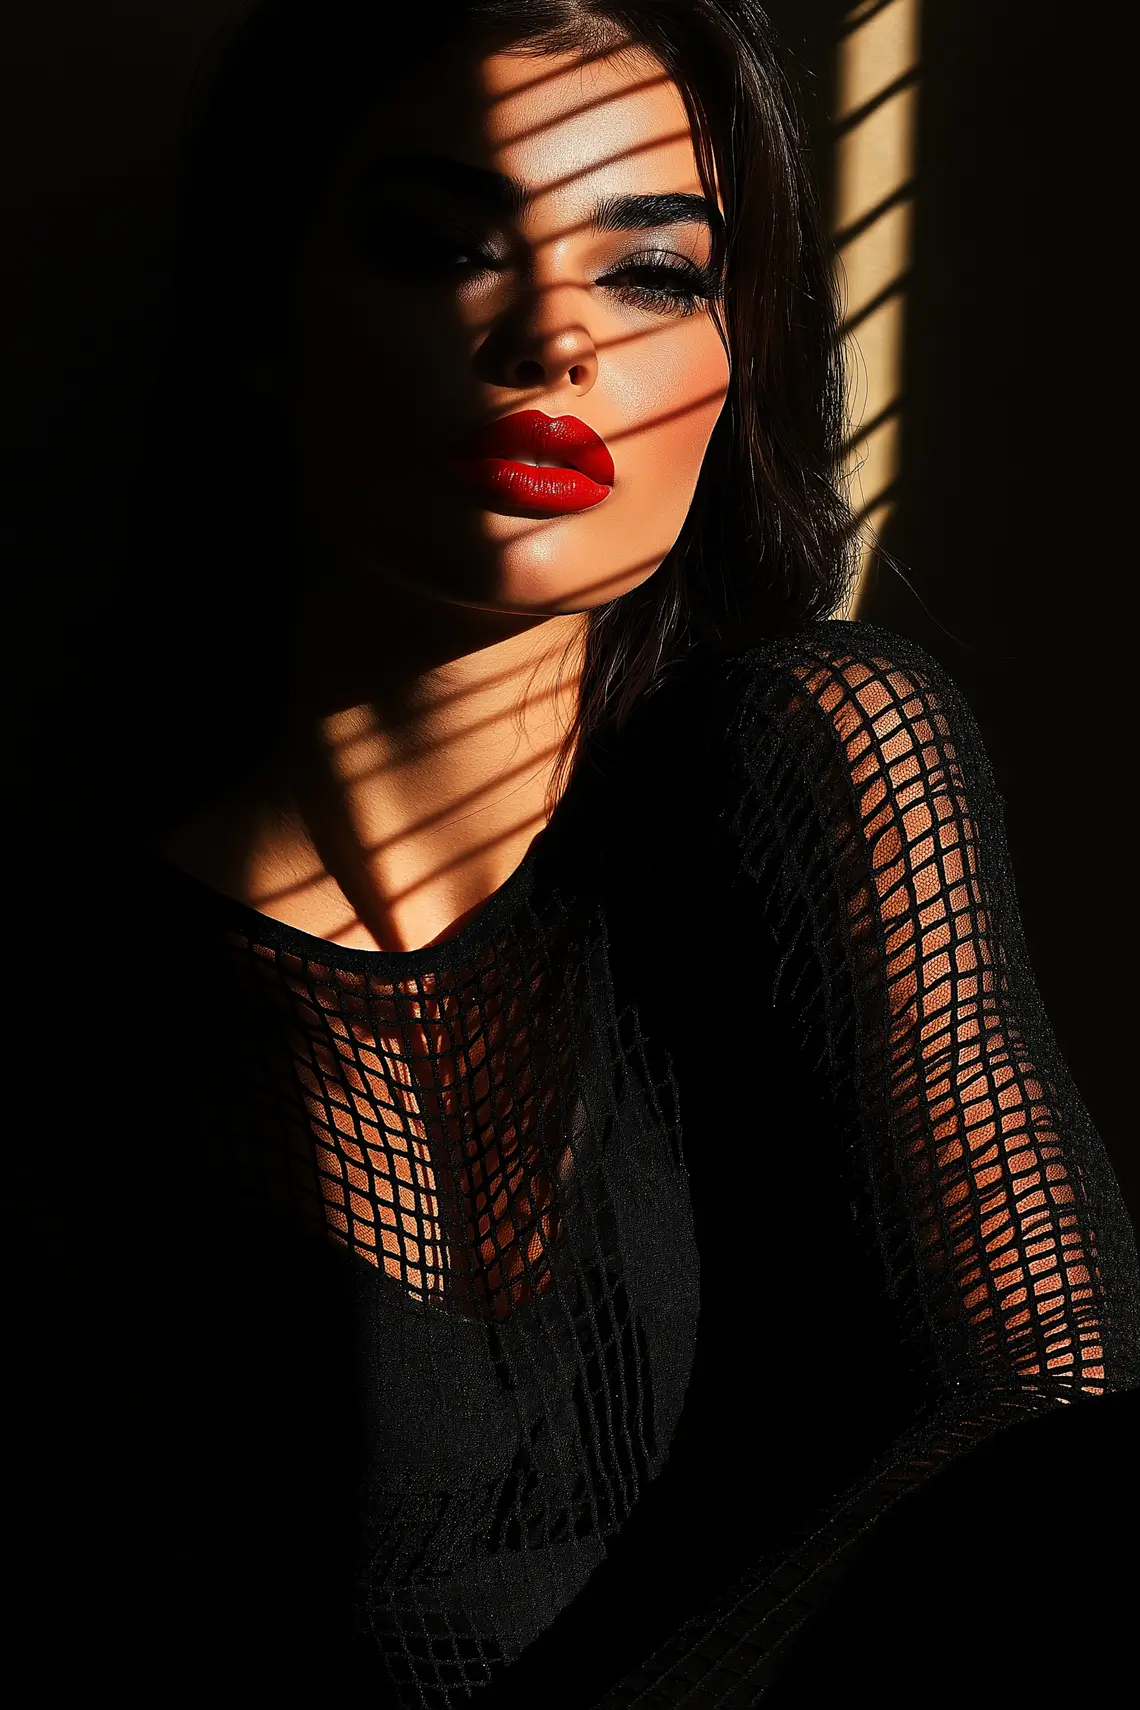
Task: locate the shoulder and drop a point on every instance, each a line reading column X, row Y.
column 856, row 692
column 833, row 664
column 827, row 707
column 858, row 733
column 841, row 661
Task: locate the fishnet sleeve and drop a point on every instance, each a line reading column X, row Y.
column 871, row 854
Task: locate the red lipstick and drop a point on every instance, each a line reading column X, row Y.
column 546, row 465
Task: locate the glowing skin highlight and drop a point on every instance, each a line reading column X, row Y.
column 551, row 324
column 507, row 233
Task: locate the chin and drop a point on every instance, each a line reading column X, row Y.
column 539, row 589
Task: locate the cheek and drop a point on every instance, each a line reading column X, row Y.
column 671, row 386
column 371, row 408
column 377, row 372
column 666, row 389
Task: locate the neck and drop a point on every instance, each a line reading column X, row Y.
column 414, row 773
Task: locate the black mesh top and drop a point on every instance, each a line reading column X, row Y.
column 545, row 1316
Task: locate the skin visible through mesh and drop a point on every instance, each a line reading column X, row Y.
column 417, row 1114
column 448, row 1129
column 870, row 833
column 993, row 1200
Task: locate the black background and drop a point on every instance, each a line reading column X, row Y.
column 1013, row 523
column 1013, row 513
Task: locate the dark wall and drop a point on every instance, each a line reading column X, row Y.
column 1014, row 511
column 1016, row 504
column 91, row 98
column 1014, row 520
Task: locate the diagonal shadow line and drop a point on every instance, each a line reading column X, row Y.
column 896, row 287
column 492, row 721
column 870, row 10
column 619, row 438
column 481, row 328
column 631, row 153
column 591, row 106
column 847, row 234
column 550, row 186
column 661, row 140
column 455, row 697
column 526, row 534
column 631, row 338
column 537, row 82
column 865, row 429
column 537, row 820
column 526, row 134
column 886, row 495
column 345, row 879
column 446, row 701
column 654, row 143
column 665, row 416
column 580, row 227
column 525, row 771
column 480, row 793
column 851, row 121
column 616, row 439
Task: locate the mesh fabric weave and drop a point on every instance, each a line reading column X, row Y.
column 737, row 1097
column 487, row 1141
column 870, row 845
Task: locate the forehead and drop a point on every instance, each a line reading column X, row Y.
column 567, row 128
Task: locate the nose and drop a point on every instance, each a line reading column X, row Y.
column 545, row 345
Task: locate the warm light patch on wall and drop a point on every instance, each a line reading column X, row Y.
column 875, row 113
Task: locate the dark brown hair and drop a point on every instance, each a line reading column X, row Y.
column 766, row 544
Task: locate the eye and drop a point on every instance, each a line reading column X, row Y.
column 414, row 250
column 663, row 284
column 451, row 254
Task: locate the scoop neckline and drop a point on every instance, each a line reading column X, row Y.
column 499, row 905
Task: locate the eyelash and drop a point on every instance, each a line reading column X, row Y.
column 676, row 287
column 691, row 284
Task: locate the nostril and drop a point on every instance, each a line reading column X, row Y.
column 530, row 373
column 577, row 375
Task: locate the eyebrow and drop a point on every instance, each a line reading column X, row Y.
column 504, row 195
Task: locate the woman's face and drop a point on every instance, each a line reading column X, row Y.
column 507, row 234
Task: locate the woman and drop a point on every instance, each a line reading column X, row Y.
column 587, row 1151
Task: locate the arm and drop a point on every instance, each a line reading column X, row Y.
column 871, row 851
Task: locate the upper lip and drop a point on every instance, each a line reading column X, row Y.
column 531, row 434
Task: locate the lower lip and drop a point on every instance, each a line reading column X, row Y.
column 547, row 492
